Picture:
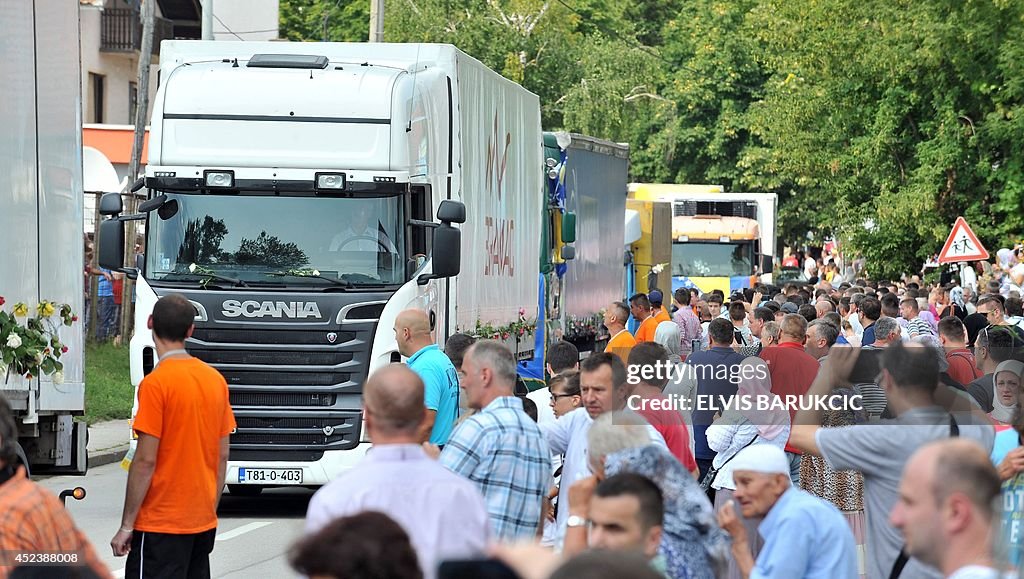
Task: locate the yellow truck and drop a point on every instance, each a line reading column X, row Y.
column 724, row 241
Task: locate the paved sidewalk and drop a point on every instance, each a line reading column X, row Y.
column 108, row 442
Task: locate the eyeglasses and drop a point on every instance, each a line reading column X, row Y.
column 557, row 396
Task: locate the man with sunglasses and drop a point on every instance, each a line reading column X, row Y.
column 992, row 308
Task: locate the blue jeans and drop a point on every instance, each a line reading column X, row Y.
column 106, row 316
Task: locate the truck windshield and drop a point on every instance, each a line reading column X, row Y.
column 710, row 259
column 277, row 240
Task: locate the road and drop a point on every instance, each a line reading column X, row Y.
column 253, row 537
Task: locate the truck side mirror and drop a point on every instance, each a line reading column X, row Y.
column 111, row 243
column 568, row 253
column 451, row 212
column 446, row 260
column 111, row 204
column 766, row 264
column 568, row 228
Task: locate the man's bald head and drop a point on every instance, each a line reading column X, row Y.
column 960, row 466
column 412, row 331
column 393, row 396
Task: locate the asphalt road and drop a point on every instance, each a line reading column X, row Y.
column 253, row 536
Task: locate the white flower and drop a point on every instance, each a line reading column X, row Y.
column 192, row 268
column 39, row 357
column 13, row 341
column 316, row 272
column 58, row 377
column 657, row 268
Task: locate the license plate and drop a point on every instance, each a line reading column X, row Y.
column 259, row 476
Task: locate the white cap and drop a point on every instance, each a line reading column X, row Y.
column 762, row 458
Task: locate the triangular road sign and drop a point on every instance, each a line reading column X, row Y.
column 962, row 245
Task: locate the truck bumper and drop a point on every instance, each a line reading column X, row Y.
column 318, row 473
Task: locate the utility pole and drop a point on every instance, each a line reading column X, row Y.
column 376, row 20
column 131, row 201
column 207, row 7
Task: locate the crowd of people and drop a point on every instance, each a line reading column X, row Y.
column 848, row 430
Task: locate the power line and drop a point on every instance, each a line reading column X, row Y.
column 225, row 27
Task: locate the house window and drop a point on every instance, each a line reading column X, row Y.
column 96, row 93
column 133, row 101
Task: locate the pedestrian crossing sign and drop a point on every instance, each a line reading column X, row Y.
column 962, row 245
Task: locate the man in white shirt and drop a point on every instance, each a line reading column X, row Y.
column 443, row 513
column 945, row 508
column 360, row 235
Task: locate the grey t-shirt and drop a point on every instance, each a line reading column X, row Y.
column 879, row 451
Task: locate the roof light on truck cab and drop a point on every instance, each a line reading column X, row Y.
column 330, row 181
column 724, row 239
column 683, row 238
column 219, row 178
column 309, row 61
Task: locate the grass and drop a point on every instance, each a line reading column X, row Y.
column 108, row 385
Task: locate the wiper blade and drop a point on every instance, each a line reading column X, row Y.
column 204, row 278
column 313, row 274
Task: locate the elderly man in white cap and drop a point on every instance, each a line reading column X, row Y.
column 804, row 536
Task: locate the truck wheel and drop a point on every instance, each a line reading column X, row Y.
column 245, row 490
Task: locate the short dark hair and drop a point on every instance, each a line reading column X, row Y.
column 571, row 381
column 996, row 301
column 772, row 306
column 594, row 361
column 368, row 544
column 998, row 341
column 737, row 311
column 890, row 300
column 562, row 356
column 714, row 298
column 456, row 346
column 833, row 318
column 652, row 504
column 765, row 314
column 641, row 300
column 1014, row 307
column 809, row 312
column 173, row 315
column 8, row 434
column 871, row 307
column 650, row 354
column 912, row 368
column 952, row 328
column 682, row 295
column 720, row 331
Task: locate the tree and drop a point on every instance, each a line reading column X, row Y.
column 202, row 241
column 332, row 20
column 270, row 251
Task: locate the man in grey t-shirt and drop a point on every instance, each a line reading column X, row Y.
column 879, row 450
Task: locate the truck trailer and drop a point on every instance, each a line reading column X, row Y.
column 301, row 195
column 41, row 229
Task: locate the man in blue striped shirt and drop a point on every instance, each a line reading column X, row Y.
column 499, row 448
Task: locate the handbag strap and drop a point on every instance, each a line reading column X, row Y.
column 719, row 469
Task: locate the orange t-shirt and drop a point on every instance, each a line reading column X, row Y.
column 645, row 333
column 184, row 403
column 661, row 316
column 620, row 345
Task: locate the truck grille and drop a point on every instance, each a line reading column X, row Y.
column 242, row 399
column 273, row 357
column 256, row 378
column 265, row 336
column 277, row 433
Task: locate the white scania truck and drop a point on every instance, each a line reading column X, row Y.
column 301, row 195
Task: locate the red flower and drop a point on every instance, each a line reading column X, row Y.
column 504, row 336
column 29, row 375
column 74, row 318
column 64, row 350
column 2, row 301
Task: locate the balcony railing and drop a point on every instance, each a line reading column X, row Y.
column 121, row 31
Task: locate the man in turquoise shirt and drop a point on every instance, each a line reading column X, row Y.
column 804, row 536
column 440, row 380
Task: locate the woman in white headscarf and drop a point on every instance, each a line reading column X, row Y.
column 756, row 417
column 683, row 383
column 1007, row 384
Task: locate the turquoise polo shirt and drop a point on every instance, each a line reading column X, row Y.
column 441, row 389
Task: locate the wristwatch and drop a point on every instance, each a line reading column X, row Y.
column 576, row 521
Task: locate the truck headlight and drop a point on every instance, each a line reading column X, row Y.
column 219, row 178
column 331, row 181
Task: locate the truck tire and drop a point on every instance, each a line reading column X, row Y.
column 245, row 490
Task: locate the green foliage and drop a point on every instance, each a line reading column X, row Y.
column 330, row 20
column 895, row 114
column 108, row 386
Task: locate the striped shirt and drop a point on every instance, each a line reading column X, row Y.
column 918, row 327
column 33, row 520
column 503, row 452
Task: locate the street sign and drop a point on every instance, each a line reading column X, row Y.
column 962, row 245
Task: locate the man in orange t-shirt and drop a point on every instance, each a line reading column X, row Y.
column 640, row 306
column 622, row 341
column 175, row 480
column 658, row 311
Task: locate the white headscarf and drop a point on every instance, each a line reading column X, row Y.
column 668, row 335
column 1000, row 411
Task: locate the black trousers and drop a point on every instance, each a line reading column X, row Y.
column 166, row 556
column 703, row 465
